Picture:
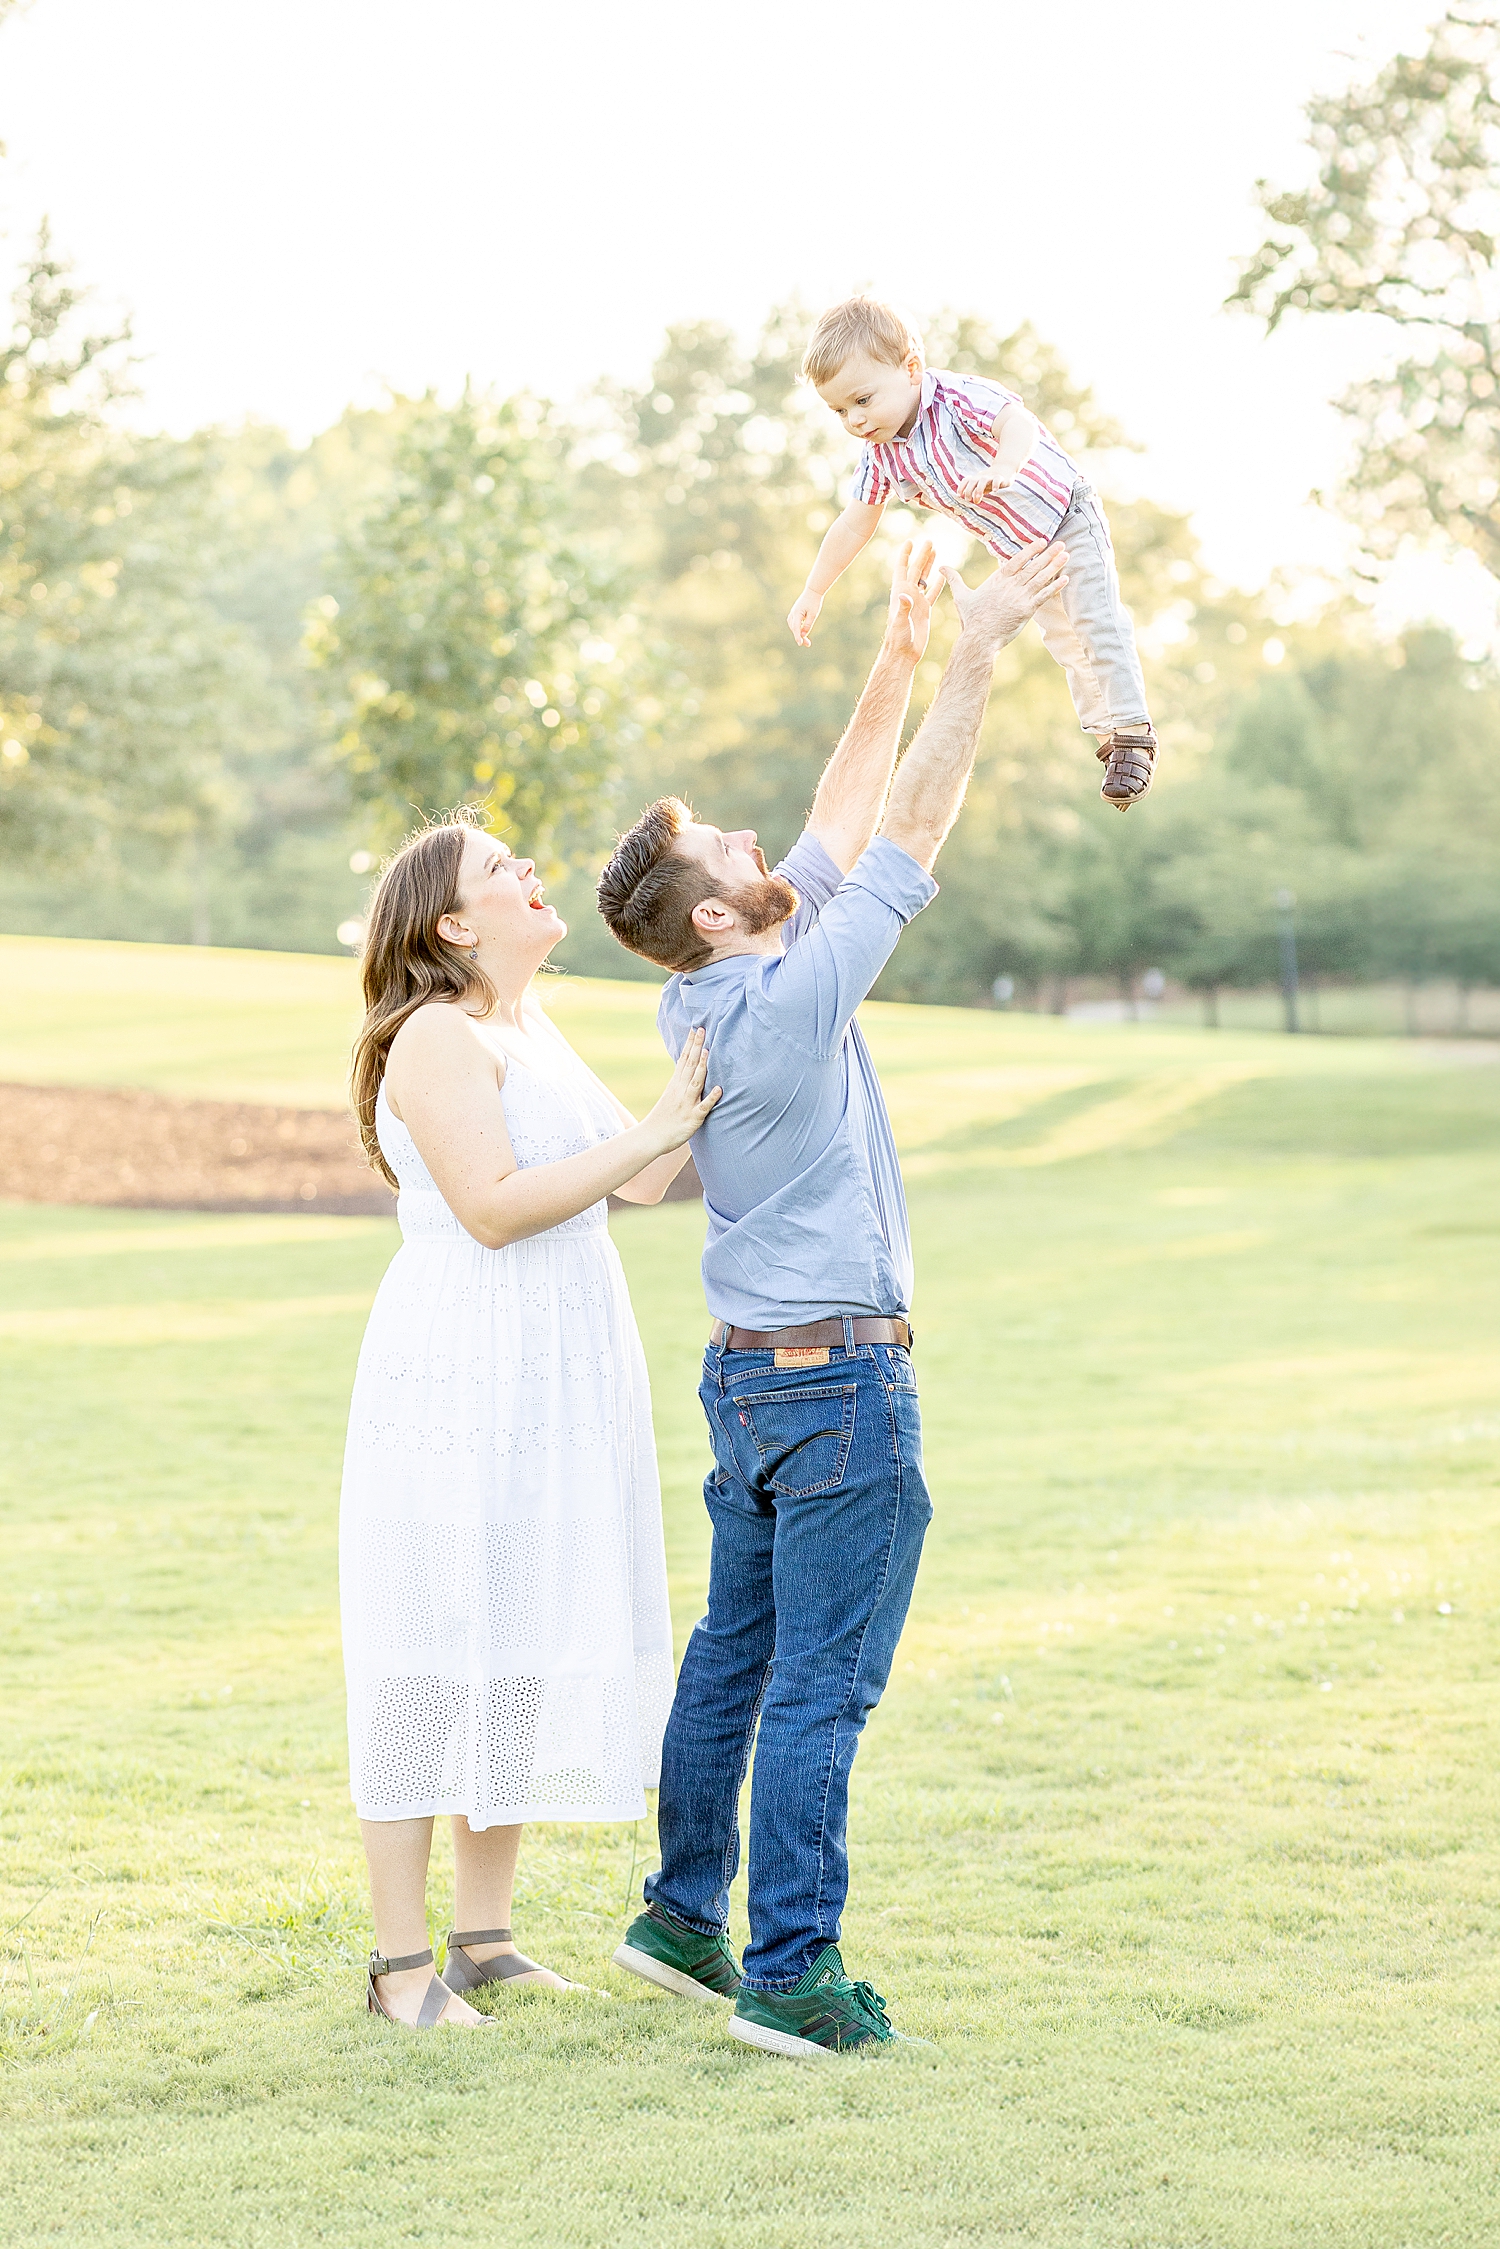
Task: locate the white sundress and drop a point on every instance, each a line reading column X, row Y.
column 507, row 1642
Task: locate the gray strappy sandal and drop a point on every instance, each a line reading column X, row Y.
column 463, row 1974
column 434, row 1999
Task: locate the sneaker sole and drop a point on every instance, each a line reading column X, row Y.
column 665, row 1978
column 779, row 2042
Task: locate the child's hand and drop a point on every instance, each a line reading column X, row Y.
column 803, row 615
column 975, row 487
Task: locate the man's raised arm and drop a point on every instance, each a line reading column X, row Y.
column 928, row 790
column 852, row 792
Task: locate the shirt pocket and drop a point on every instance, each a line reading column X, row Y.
column 803, row 1437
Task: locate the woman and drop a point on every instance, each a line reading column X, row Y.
column 506, row 1637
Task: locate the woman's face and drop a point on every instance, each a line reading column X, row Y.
column 501, row 901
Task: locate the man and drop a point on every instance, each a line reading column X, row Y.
column 816, row 1496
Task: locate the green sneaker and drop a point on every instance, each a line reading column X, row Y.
column 823, row 2015
column 667, row 1952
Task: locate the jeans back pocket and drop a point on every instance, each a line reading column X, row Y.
column 803, row 1437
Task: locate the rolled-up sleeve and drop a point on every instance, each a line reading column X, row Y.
column 811, row 993
column 815, row 876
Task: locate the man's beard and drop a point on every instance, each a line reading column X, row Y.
column 762, row 905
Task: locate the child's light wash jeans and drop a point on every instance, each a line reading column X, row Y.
column 1086, row 627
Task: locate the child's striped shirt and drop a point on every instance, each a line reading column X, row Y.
column 950, row 440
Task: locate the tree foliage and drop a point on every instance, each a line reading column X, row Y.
column 122, row 688
column 1402, row 222
column 483, row 647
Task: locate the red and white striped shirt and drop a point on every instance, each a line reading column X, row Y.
column 952, row 438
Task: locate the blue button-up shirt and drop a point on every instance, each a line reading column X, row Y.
column 806, row 1214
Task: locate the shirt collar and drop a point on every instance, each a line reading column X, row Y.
column 695, row 976
column 929, row 393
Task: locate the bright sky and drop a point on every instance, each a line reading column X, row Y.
column 305, row 199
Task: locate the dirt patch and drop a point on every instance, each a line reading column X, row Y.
column 146, row 1151
column 132, row 1150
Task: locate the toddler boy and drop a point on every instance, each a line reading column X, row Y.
column 968, row 448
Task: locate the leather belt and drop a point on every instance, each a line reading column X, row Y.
column 810, row 1337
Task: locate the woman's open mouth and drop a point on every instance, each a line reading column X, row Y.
column 538, row 900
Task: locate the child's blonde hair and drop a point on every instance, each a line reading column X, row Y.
column 859, row 324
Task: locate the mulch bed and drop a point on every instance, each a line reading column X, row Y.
column 133, row 1150
column 146, row 1151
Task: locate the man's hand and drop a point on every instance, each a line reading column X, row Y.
column 912, row 595
column 1011, row 596
column 932, row 777
column 803, row 615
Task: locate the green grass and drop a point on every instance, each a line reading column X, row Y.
column 1174, row 1835
column 219, row 1025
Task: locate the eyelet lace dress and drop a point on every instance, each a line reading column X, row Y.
column 507, row 1643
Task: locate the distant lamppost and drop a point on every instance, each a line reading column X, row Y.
column 1287, row 928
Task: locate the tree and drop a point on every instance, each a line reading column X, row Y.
column 1402, row 222
column 122, row 689
column 484, row 646
column 1353, row 776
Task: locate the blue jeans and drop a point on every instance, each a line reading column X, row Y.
column 819, row 1508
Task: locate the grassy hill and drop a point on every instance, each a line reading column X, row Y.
column 1174, row 1835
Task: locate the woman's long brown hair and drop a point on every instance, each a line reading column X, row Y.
column 406, row 963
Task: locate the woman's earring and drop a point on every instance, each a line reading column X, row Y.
column 474, row 951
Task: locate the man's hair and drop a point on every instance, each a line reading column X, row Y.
column 859, row 324
column 648, row 890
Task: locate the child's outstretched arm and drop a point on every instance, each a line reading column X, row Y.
column 1014, row 433
column 848, row 535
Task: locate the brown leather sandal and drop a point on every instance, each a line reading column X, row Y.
column 463, row 1974
column 434, row 1999
column 1129, row 762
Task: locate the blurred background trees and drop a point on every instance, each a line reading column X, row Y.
column 161, row 773
column 483, row 647
column 233, row 669
column 123, row 688
column 1402, row 224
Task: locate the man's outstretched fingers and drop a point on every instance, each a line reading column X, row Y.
column 1042, row 572
column 1042, row 554
column 913, row 564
